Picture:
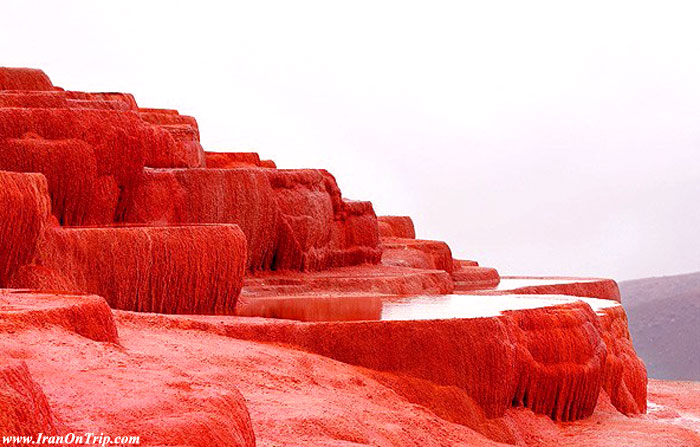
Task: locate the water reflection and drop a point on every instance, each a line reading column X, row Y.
column 517, row 283
column 392, row 308
column 315, row 308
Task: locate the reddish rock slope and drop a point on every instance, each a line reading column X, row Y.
column 112, row 205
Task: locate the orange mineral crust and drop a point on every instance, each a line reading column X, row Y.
column 24, row 210
column 151, row 287
column 199, row 268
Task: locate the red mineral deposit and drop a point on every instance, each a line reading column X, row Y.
column 199, row 298
column 396, row 226
column 79, row 196
column 24, row 211
column 24, row 79
column 238, row 196
column 194, row 269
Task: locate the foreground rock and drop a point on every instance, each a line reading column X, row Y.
column 24, row 210
column 174, row 269
column 303, row 318
column 185, row 381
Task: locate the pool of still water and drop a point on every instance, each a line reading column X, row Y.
column 390, row 308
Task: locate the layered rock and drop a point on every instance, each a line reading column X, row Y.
column 24, row 79
column 170, row 269
column 396, row 226
column 127, row 100
column 401, row 248
column 25, row 409
column 59, row 99
column 625, row 379
column 107, row 138
column 229, row 160
column 79, row 195
column 364, row 278
column 239, row 196
column 149, row 221
column 471, row 278
column 319, row 229
column 601, row 288
column 86, row 315
column 24, row 209
column 168, row 117
column 185, row 130
column 552, row 360
column 415, row 253
column 122, row 144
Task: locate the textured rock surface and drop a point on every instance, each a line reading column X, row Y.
column 601, row 288
column 24, row 79
column 140, row 388
column 150, row 222
column 367, row 278
column 190, row 269
column 78, row 194
column 396, row 226
column 550, row 360
column 86, row 315
column 165, row 117
column 524, row 285
column 67, row 100
column 435, row 255
column 239, row 196
column 324, row 230
column 25, row 410
column 470, row 278
column 228, row 160
column 24, row 208
column 38, row 99
column 318, row 229
column 185, row 130
column 625, row 375
column 121, row 141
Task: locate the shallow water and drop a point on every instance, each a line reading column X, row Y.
column 517, row 283
column 388, row 308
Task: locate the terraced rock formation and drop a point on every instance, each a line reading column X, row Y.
column 198, row 298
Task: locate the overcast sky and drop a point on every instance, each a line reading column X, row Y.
column 536, row 137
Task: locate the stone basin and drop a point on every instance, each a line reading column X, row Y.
column 376, row 307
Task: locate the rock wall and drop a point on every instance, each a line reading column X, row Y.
column 170, row 269
column 86, row 315
column 552, row 360
column 24, row 79
column 396, row 226
column 417, row 253
column 25, row 409
column 625, row 378
column 240, row 196
column 230, row 160
column 96, row 150
column 101, row 197
column 319, row 229
column 79, row 195
column 24, row 210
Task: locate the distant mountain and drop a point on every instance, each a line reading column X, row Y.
column 664, row 318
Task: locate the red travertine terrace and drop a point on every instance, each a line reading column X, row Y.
column 149, row 287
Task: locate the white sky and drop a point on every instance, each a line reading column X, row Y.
column 536, row 137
